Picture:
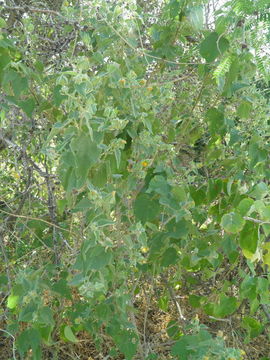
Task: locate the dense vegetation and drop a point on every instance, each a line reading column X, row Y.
column 134, row 168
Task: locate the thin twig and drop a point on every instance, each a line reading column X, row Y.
column 266, row 312
column 23, row 153
column 13, row 343
column 30, row 9
column 182, row 319
column 37, row 219
column 218, row 319
column 257, row 221
column 142, row 51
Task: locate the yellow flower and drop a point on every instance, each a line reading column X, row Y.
column 16, row 175
column 144, row 249
column 122, row 81
column 144, row 163
column 150, row 88
column 78, row 320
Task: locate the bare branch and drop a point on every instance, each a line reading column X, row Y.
column 23, row 153
column 33, row 10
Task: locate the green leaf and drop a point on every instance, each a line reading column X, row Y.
column 62, row 288
column 28, row 312
column 192, row 346
column 244, row 206
column 99, row 176
column 61, row 205
column 163, row 303
column 249, row 238
column 146, row 208
column 226, row 306
column 253, row 326
column 27, row 106
column 198, row 194
column 127, row 342
column 230, row 247
column 3, row 280
column 68, row 176
column 83, row 205
column 196, row 17
column 170, row 257
column 93, row 258
column 262, row 209
column 173, row 329
column 257, row 154
column 181, row 349
column 30, row 339
column 86, row 154
column 214, row 188
column 117, row 154
column 263, row 290
column 266, row 256
column 179, row 229
column 248, row 288
column 20, row 85
column 98, row 257
column 4, row 61
column 58, row 98
column 215, row 119
column 260, row 191
column 180, row 193
column 45, row 332
column 12, row 301
column 159, row 185
column 3, row 23
column 157, row 243
column 195, row 300
column 232, row 222
column 45, row 316
column 68, row 333
column 174, row 7
column 213, row 46
column 244, row 109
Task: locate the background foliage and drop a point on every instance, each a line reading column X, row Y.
column 134, row 179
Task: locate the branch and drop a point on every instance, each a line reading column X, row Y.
column 266, row 312
column 37, row 219
column 12, row 218
column 218, row 319
column 9, row 143
column 257, row 221
column 182, row 319
column 30, row 9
